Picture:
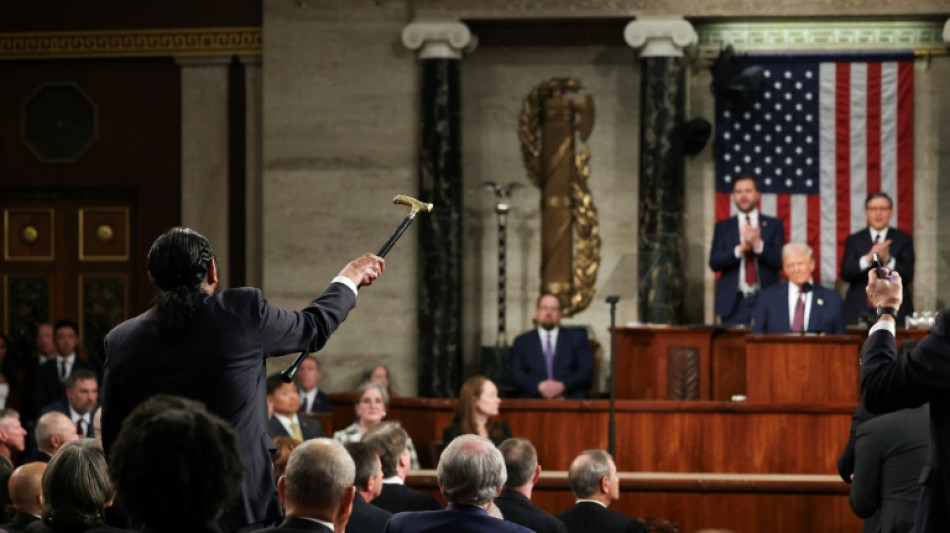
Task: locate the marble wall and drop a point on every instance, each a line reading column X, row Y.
column 339, row 141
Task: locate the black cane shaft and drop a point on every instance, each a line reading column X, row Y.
column 287, row 375
column 395, row 236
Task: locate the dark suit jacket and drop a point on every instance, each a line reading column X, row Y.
column 771, row 311
column 890, row 383
column 889, row 453
column 397, row 498
column 846, row 461
column 309, row 428
column 857, row 245
column 321, row 404
column 517, row 508
column 573, row 363
column 453, row 431
column 589, row 517
column 62, row 406
column 454, row 518
column 47, row 388
column 366, row 518
column 219, row 360
column 722, row 259
column 19, row 522
column 292, row 524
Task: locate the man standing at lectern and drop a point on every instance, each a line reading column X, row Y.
column 747, row 252
column 893, row 247
column 551, row 361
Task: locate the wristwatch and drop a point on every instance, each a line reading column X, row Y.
column 887, row 311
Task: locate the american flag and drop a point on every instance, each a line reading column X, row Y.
column 826, row 131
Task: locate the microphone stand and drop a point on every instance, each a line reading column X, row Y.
column 612, row 412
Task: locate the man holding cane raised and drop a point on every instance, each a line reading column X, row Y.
column 920, row 376
column 211, row 348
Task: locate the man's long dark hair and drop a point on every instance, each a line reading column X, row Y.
column 178, row 263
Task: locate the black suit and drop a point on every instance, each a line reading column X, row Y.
column 309, row 428
column 517, row 508
column 846, row 461
column 859, row 244
column 292, row 524
column 890, row 452
column 590, row 517
column 47, row 388
column 890, row 383
column 573, row 363
column 456, row 518
column 397, row 498
column 321, row 404
column 366, row 518
column 218, row 359
column 19, row 522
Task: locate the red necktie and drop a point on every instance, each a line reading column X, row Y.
column 750, row 276
column 798, row 322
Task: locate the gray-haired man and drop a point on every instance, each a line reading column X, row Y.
column 595, row 484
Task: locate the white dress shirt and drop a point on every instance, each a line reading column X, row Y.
column 285, row 421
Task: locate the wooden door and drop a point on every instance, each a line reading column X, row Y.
column 67, row 255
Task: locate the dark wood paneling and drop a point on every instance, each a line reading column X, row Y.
column 68, row 15
column 136, row 156
column 790, row 368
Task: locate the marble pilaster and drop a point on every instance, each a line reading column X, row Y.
column 254, row 210
column 661, row 244
column 204, row 151
column 440, row 46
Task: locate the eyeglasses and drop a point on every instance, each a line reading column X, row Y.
column 877, row 209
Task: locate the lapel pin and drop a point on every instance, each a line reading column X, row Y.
column 821, row 302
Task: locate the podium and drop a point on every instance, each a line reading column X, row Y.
column 664, row 362
column 803, row 369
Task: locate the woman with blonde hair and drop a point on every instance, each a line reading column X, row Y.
column 475, row 413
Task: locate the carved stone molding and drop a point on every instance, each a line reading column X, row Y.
column 439, row 39
column 132, row 43
column 660, row 36
column 823, row 35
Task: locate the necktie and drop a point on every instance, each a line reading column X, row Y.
column 295, row 431
column 62, row 369
column 549, row 356
column 303, row 404
column 798, row 323
column 79, row 429
column 750, row 275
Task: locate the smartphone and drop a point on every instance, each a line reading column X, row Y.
column 878, row 266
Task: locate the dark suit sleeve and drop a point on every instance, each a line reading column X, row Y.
column 283, row 331
column 851, row 261
column 760, row 317
column 635, row 526
column 846, row 461
column 924, row 373
column 722, row 256
column 519, row 368
column 771, row 256
column 578, row 383
column 837, row 314
column 866, row 487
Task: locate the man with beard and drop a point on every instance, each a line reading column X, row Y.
column 551, row 361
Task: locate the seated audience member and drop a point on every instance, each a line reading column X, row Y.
column 44, row 350
column 378, row 374
column 798, row 305
column 595, row 484
column 180, row 487
column 312, row 399
column 372, row 400
column 390, row 441
column 283, row 397
column 317, row 488
column 889, row 454
column 76, row 489
column 52, row 431
column 551, row 361
column 521, row 464
column 475, row 412
column 366, row 518
column 12, row 439
column 471, row 473
column 50, row 379
column 26, row 493
column 82, row 395
column 9, row 390
column 285, row 445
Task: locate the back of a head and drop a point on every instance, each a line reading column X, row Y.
column 76, row 485
column 188, row 483
column 521, row 460
column 26, row 484
column 318, row 475
column 586, row 471
column 364, row 458
column 471, row 470
column 52, row 424
column 178, row 263
column 390, row 440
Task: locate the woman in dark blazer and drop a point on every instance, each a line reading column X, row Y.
column 476, row 411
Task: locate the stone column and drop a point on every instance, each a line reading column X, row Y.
column 204, row 151
column 254, row 197
column 662, row 258
column 440, row 45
